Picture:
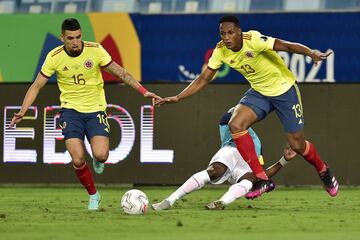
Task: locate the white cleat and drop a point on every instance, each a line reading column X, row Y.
column 163, row 205
column 216, row 205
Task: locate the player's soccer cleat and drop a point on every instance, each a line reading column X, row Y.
column 94, row 202
column 163, row 205
column 98, row 166
column 260, row 187
column 216, row 205
column 331, row 185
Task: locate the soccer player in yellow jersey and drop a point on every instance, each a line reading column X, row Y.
column 273, row 88
column 78, row 67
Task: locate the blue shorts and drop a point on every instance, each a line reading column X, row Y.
column 75, row 124
column 287, row 106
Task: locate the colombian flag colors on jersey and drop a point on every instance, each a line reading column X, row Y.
column 79, row 78
column 257, row 62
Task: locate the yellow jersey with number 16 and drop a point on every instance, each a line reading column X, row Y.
column 79, row 78
column 263, row 68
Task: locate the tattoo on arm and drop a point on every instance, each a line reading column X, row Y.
column 120, row 72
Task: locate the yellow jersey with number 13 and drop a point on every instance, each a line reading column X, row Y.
column 263, row 68
column 79, row 78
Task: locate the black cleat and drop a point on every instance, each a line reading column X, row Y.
column 260, row 186
column 331, row 185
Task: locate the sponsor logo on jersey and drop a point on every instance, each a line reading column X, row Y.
column 63, row 126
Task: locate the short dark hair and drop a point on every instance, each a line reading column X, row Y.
column 230, row 18
column 70, row 24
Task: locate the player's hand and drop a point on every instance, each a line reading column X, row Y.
column 166, row 100
column 289, row 153
column 16, row 119
column 318, row 56
column 153, row 96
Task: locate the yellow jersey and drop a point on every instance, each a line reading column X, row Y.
column 79, row 78
column 263, row 68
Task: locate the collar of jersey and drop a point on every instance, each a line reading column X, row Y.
column 70, row 55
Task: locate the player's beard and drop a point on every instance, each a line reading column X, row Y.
column 75, row 52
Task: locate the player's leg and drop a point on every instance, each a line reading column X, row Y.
column 237, row 190
column 306, row 149
column 310, row 154
column 253, row 107
column 242, row 118
column 97, row 131
column 76, row 148
column 73, row 129
column 289, row 109
column 100, row 151
column 197, row 181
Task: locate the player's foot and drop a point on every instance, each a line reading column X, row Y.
column 94, row 202
column 98, row 166
column 163, row 205
column 331, row 185
column 216, row 205
column 260, row 187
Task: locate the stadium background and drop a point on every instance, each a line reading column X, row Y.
column 166, row 51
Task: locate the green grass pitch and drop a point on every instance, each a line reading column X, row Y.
column 287, row 213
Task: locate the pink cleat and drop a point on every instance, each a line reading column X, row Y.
column 331, row 185
column 260, row 187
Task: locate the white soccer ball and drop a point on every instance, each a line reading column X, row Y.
column 134, row 202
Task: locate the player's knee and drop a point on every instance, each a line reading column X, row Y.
column 298, row 146
column 101, row 156
column 213, row 174
column 216, row 170
column 78, row 163
column 236, row 127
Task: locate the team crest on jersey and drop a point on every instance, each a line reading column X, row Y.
column 249, row 54
column 88, row 64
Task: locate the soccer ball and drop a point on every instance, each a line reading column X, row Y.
column 134, row 202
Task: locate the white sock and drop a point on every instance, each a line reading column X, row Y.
column 195, row 182
column 236, row 191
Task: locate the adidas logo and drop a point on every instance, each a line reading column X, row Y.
column 65, row 68
column 300, row 121
column 106, row 129
column 232, row 61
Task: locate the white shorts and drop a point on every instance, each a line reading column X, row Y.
column 237, row 167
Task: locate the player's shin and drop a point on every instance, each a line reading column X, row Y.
column 245, row 145
column 236, row 191
column 84, row 175
column 195, row 182
column 310, row 154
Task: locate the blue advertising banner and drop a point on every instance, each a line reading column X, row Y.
column 176, row 47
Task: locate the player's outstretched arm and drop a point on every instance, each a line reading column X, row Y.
column 30, row 97
column 195, row 86
column 289, row 154
column 316, row 56
column 120, row 72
